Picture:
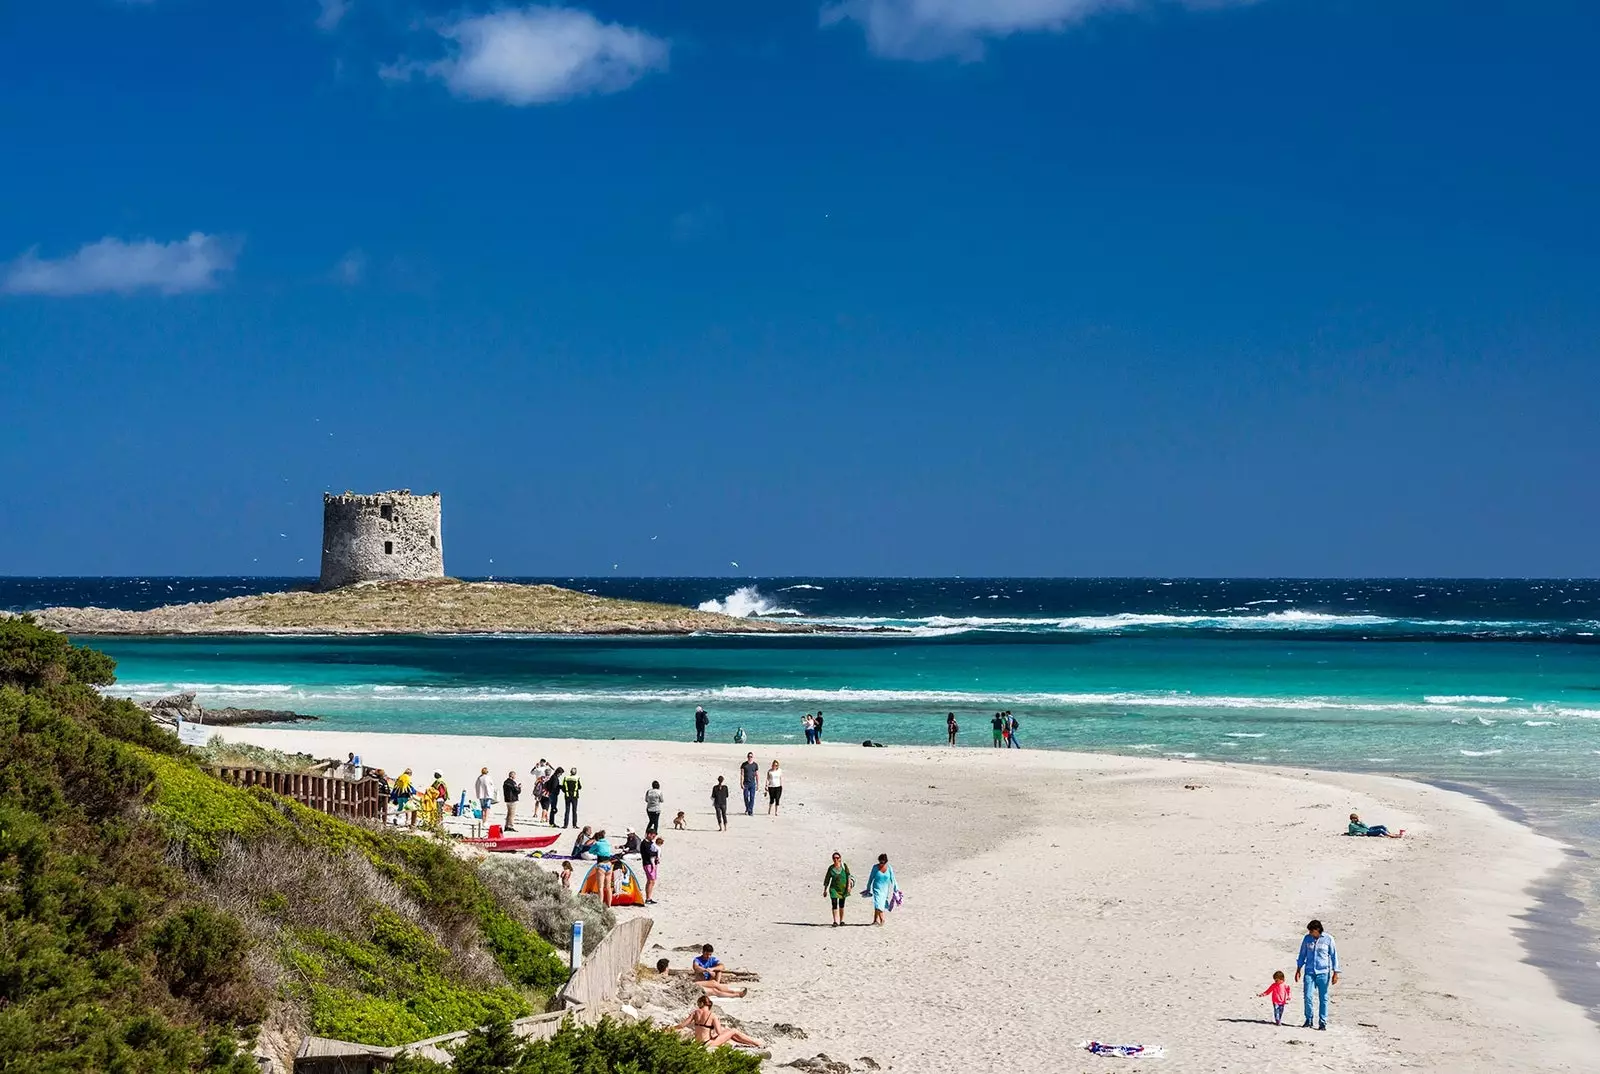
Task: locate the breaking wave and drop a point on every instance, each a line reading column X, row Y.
column 744, row 603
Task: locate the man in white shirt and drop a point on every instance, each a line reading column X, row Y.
column 481, row 791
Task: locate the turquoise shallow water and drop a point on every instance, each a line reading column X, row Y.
column 1447, row 709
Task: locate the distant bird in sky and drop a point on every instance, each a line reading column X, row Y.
column 283, row 535
column 735, row 564
column 652, row 538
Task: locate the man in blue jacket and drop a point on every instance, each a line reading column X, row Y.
column 1319, row 962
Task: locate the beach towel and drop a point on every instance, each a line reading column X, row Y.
column 1124, row 1051
column 896, row 899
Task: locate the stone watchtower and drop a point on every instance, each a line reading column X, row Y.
column 384, row 537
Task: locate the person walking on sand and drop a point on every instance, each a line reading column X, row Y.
column 774, row 787
column 951, row 727
column 701, row 722
column 881, row 886
column 571, row 786
column 836, row 885
column 1278, row 993
column 719, row 803
column 1319, row 963
column 652, row 808
column 510, row 791
column 650, row 855
column 750, row 774
column 481, row 791
column 1011, row 731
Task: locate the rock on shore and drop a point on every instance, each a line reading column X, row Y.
column 169, row 710
column 437, row 607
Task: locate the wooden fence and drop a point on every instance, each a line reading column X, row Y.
column 361, row 799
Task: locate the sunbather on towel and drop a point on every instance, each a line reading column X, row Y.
column 1357, row 828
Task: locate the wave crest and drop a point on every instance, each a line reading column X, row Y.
column 745, row 603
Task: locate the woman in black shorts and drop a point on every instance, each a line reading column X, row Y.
column 774, row 787
column 836, row 884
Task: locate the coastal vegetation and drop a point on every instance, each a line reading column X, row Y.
column 607, row 1047
column 445, row 606
column 154, row 918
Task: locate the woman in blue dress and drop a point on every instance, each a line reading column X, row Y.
column 880, row 886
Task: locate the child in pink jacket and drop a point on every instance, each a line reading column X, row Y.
column 1279, row 992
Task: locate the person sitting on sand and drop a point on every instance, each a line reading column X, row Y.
column 1357, row 828
column 584, row 841
column 712, row 988
column 708, row 1029
column 708, row 967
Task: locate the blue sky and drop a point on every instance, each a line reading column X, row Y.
column 1058, row 287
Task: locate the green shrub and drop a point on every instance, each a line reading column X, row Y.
column 135, row 886
column 607, row 1047
column 199, row 953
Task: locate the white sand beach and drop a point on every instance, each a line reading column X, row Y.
column 1053, row 897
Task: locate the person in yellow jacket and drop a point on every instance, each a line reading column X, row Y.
column 570, row 786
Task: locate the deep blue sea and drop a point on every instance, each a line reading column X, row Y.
column 1491, row 686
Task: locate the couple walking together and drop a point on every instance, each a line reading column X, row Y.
column 838, row 883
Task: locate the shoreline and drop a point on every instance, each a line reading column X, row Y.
column 1109, row 851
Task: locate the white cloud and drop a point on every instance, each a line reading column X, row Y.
column 932, row 29
column 192, row 264
column 535, row 55
column 333, row 11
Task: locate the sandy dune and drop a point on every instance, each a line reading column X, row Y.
column 1052, row 897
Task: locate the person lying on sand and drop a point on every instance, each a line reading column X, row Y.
column 1357, row 828
column 711, row 988
column 708, row 1029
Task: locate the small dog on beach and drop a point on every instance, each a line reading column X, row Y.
column 677, row 822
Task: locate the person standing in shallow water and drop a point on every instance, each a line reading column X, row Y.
column 999, row 729
column 816, row 729
column 701, row 722
column 951, row 727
